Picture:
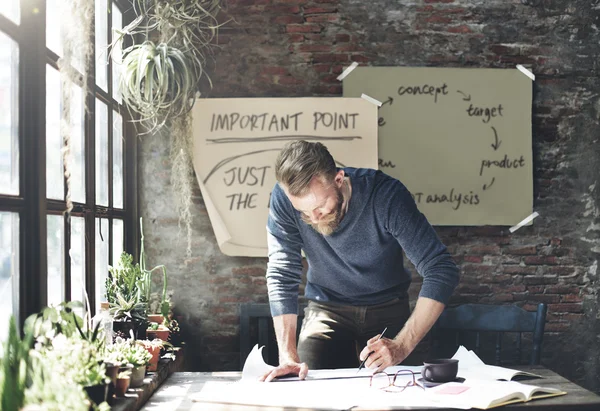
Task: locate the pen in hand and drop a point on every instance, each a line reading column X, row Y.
column 363, row 363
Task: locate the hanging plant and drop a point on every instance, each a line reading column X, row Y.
column 158, row 82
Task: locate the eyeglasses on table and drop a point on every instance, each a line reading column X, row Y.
column 388, row 383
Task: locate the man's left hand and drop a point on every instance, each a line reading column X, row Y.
column 384, row 353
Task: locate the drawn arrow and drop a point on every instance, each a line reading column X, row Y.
column 496, row 142
column 485, row 186
column 389, row 100
column 465, row 98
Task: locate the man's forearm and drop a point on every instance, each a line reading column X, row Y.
column 285, row 330
column 423, row 317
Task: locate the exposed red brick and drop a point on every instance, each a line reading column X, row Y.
column 315, row 48
column 472, row 258
column 571, row 298
column 322, row 68
column 557, row 327
column 253, row 271
column 342, row 38
column 541, row 260
column 323, row 18
column 296, row 38
column 437, row 19
column 288, row 19
column 484, row 249
column 349, row 48
column 319, row 10
column 274, row 70
column 502, row 297
column 459, row 29
column 562, row 289
column 561, row 270
column 304, row 28
column 536, row 280
column 329, row 58
column 566, row 308
column 529, row 250
column 289, row 80
column 439, row 1
column 519, row 269
column 360, row 59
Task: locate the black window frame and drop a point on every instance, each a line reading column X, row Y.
column 31, row 203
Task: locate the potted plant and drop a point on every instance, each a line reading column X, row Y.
column 128, row 352
column 124, row 294
column 158, row 331
column 158, row 314
column 153, row 347
column 123, row 380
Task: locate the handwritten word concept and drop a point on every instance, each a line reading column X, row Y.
column 426, row 89
column 242, row 201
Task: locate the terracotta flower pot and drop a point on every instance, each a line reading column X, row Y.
column 137, row 376
column 122, row 386
column 155, row 352
column 156, row 318
column 160, row 334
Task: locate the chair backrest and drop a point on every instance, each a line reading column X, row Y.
column 256, row 327
column 468, row 319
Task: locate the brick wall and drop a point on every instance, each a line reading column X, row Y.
column 296, row 48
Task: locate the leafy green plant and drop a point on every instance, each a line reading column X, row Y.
column 52, row 321
column 127, row 351
column 146, row 286
column 14, row 368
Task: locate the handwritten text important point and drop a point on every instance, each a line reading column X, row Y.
column 525, row 221
column 347, row 71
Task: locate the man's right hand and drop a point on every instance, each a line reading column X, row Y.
column 289, row 368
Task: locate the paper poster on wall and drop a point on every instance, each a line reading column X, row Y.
column 459, row 139
column 236, row 142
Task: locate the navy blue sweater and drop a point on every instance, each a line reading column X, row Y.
column 361, row 263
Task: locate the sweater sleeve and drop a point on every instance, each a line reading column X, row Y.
column 284, row 269
column 419, row 241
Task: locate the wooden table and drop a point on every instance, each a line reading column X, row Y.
column 175, row 394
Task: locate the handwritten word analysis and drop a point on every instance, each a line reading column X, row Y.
column 337, row 121
column 486, row 113
column 452, row 198
column 425, row 89
column 251, row 176
column 252, row 122
column 504, row 163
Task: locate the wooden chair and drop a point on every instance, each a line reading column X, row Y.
column 468, row 319
column 256, row 327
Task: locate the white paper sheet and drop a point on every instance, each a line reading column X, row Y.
column 471, row 367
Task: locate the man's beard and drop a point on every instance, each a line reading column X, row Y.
column 329, row 223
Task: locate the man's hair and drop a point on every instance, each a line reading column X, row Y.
column 299, row 161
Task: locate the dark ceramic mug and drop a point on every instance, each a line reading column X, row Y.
column 440, row 370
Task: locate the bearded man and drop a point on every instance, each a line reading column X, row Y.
column 353, row 225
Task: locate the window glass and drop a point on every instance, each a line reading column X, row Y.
column 10, row 9
column 56, row 272
column 77, row 147
column 117, row 23
column 101, row 260
column 117, row 160
column 101, row 36
column 117, row 240
column 53, row 27
column 9, row 270
column 9, row 122
column 77, row 255
column 101, row 153
column 54, row 161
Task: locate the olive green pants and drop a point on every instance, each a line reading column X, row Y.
column 332, row 336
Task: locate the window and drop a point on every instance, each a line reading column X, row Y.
column 46, row 255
